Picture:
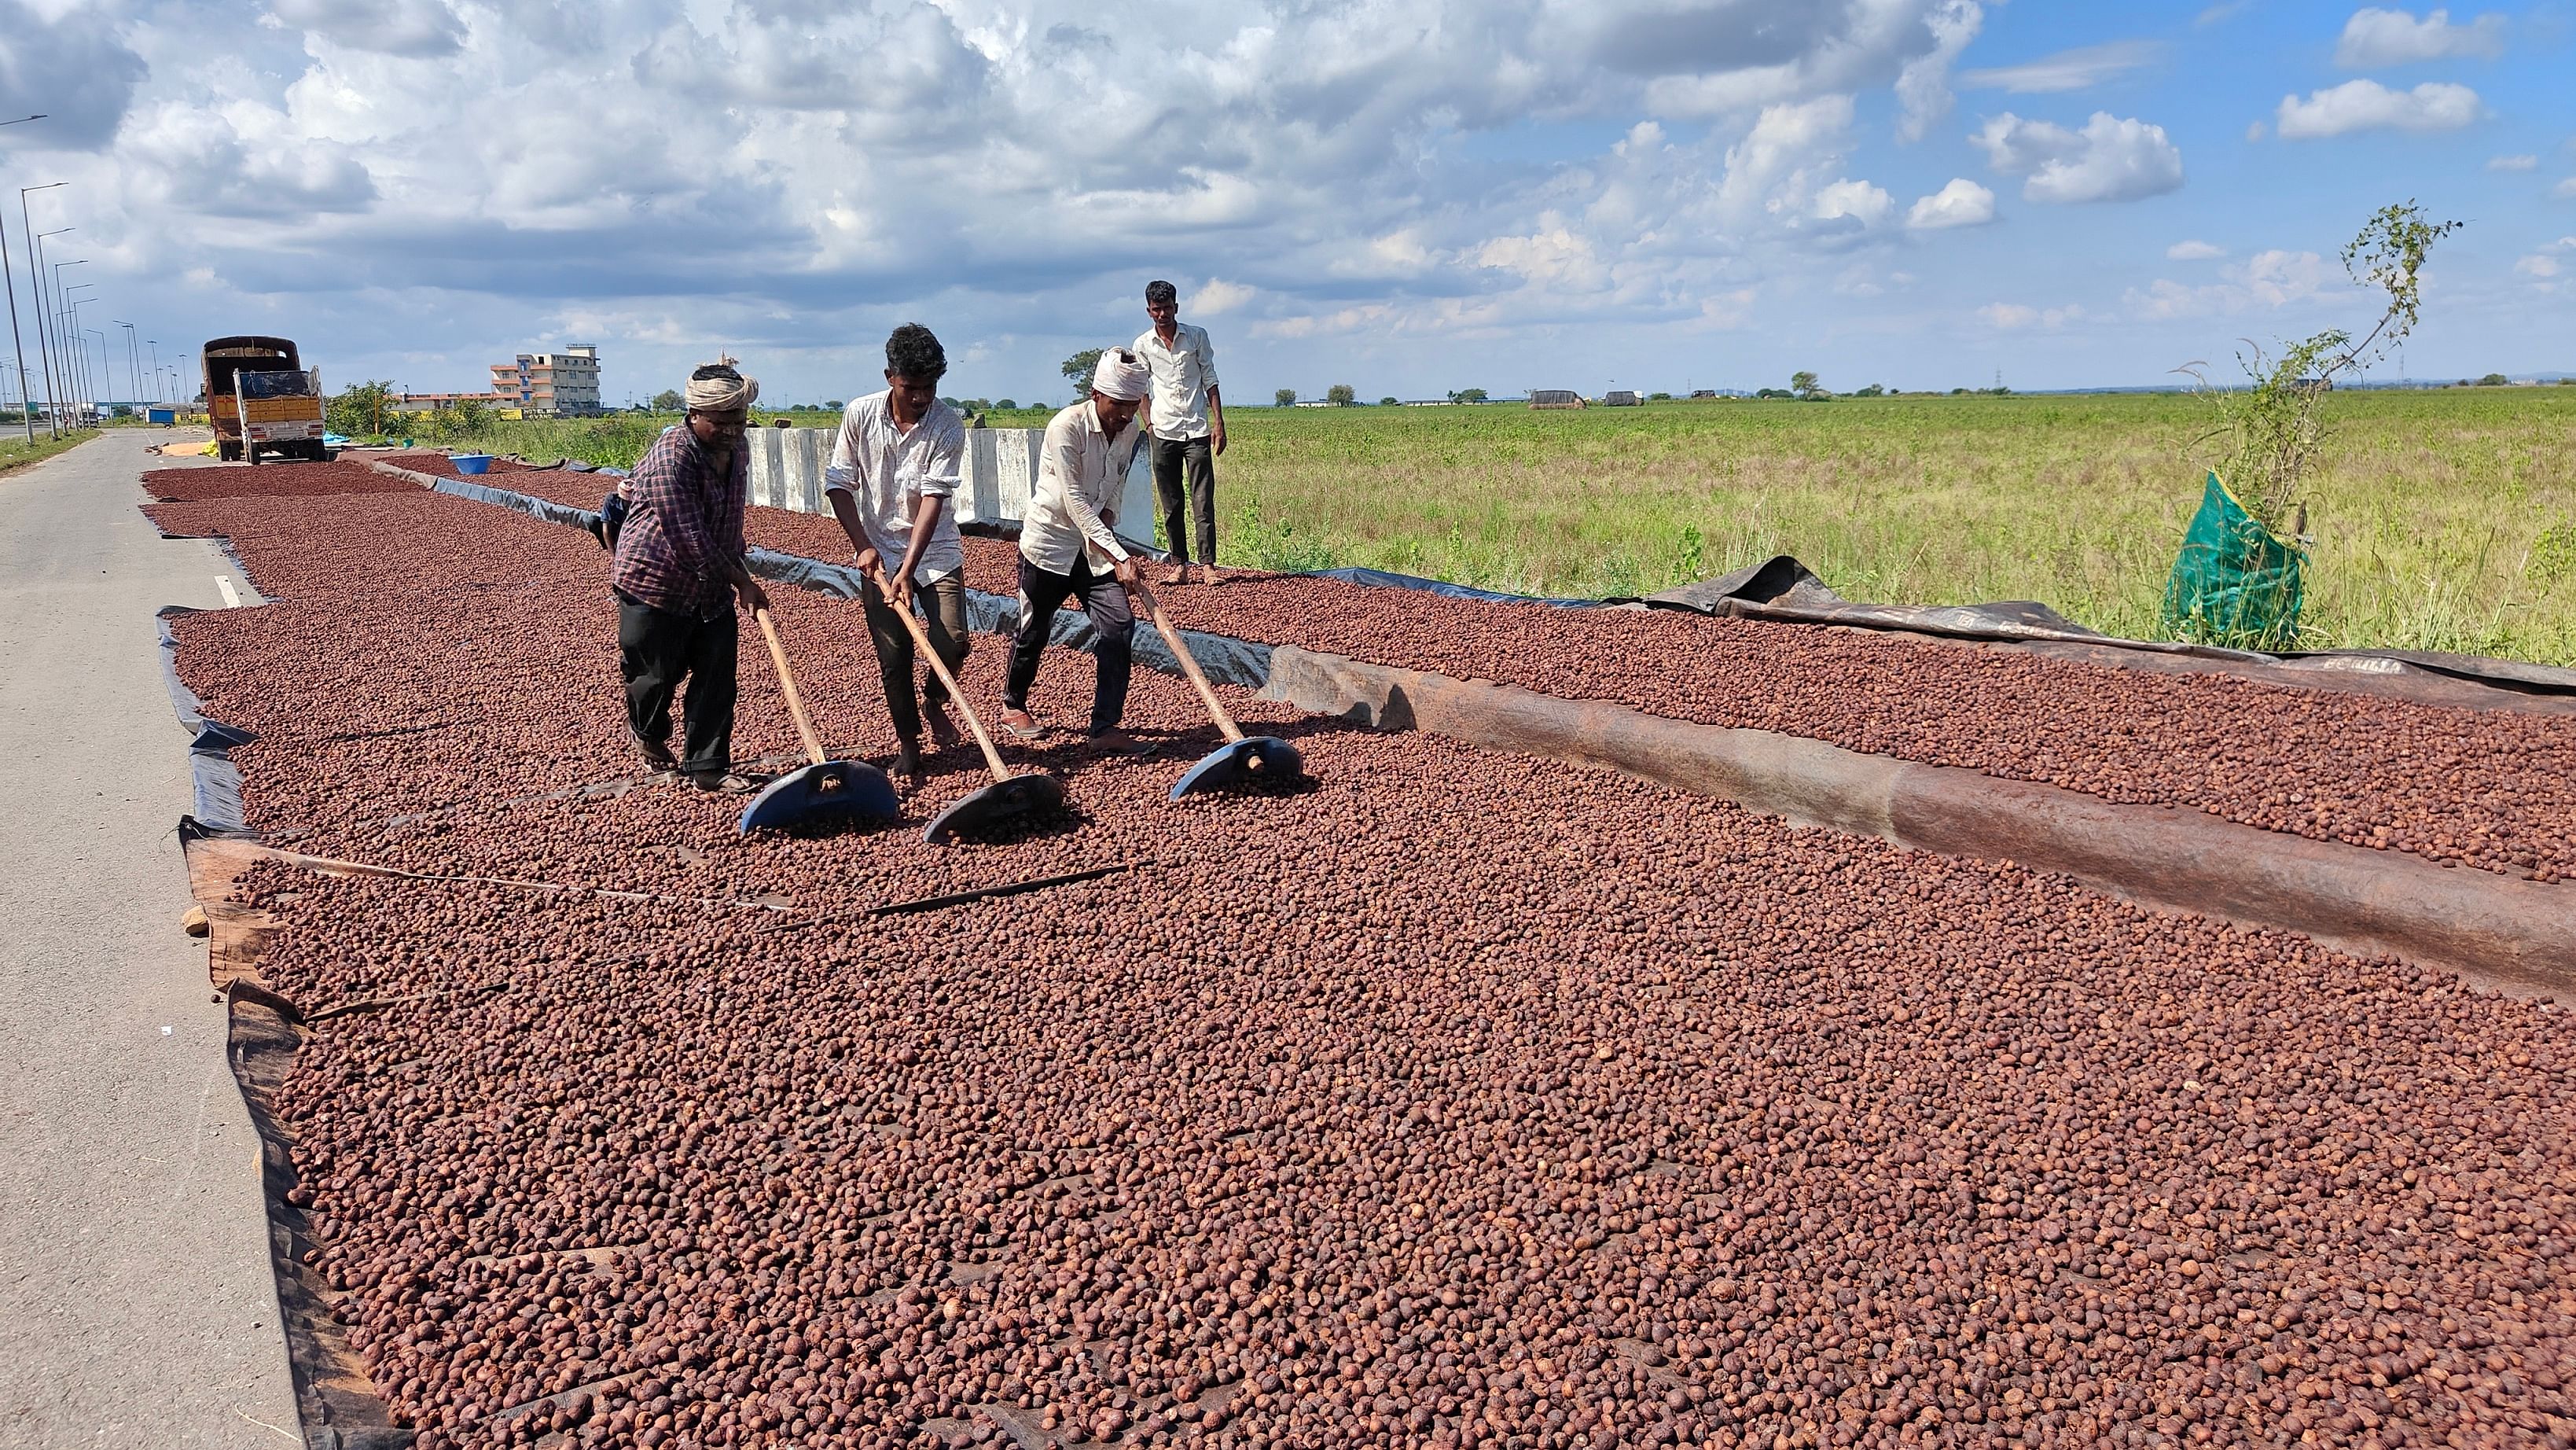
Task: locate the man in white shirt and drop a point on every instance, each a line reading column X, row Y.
column 1187, row 421
column 1067, row 550
column 894, row 469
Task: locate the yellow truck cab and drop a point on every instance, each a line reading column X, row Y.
column 262, row 400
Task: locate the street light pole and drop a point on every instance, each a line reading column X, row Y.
column 133, row 361
column 9, row 280
column 158, row 391
column 36, row 283
column 72, row 385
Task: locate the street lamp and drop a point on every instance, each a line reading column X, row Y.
column 36, row 283
column 133, row 361
column 64, row 352
column 106, row 374
column 155, row 344
column 26, row 410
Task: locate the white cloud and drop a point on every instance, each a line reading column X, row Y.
column 2538, row 265
column 2374, row 38
column 2565, row 190
column 2111, row 159
column 2370, row 106
column 2513, row 163
column 2013, row 316
column 1219, row 297
column 2267, row 280
column 1554, row 256
column 1962, row 203
column 1922, row 87
column 2068, row 70
column 388, row 27
column 2193, row 251
column 1853, row 200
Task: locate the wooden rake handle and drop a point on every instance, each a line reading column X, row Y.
column 1189, row 662
column 787, row 686
column 939, row 667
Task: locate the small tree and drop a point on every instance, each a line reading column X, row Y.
column 1874, row 390
column 1285, row 397
column 1805, row 385
column 2494, row 380
column 361, row 408
column 2270, row 431
column 667, row 401
column 1468, row 395
column 1341, row 395
column 1387, row 402
column 1004, row 403
column 1078, row 370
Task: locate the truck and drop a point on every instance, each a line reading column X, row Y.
column 263, row 400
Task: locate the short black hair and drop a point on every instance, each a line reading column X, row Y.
column 1159, row 293
column 912, row 352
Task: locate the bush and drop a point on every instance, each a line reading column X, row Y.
column 1285, row 398
column 1341, row 395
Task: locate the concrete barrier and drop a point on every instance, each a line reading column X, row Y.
column 998, row 471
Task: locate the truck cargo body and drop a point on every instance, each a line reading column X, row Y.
column 261, row 400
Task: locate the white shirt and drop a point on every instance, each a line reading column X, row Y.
column 1184, row 375
column 887, row 470
column 1080, row 473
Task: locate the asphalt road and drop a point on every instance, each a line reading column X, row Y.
column 136, row 1305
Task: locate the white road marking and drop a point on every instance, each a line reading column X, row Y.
column 232, row 600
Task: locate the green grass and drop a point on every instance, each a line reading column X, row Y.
column 16, row 452
column 2443, row 519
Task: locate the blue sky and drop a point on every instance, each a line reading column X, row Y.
column 1409, row 196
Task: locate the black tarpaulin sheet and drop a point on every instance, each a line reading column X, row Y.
column 1780, row 588
column 214, row 779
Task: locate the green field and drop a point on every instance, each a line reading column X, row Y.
column 2442, row 519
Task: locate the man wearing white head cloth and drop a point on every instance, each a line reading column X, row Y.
column 1067, row 550
column 679, row 570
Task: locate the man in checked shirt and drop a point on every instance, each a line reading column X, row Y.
column 679, row 570
column 892, row 473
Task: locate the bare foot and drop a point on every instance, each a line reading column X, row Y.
column 943, row 731
column 1174, row 578
column 907, row 760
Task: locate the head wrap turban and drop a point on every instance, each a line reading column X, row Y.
column 1120, row 375
column 722, row 393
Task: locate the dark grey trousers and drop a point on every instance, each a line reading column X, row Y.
column 1173, row 457
column 1105, row 600
column 657, row 649
column 944, row 620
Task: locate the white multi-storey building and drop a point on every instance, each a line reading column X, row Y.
column 551, row 384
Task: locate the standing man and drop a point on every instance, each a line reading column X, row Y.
column 1187, row 420
column 892, row 473
column 1068, row 552
column 679, row 570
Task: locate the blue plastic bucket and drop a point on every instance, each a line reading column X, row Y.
column 472, row 462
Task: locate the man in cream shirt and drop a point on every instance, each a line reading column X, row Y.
column 1067, row 550
column 894, row 469
column 1187, row 424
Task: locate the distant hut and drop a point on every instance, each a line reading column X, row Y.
column 1618, row 398
column 1555, row 398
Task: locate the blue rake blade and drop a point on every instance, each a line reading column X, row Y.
column 836, row 790
column 1253, row 760
column 1004, row 800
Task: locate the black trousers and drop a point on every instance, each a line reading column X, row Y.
column 1104, row 599
column 944, row 620
column 1172, row 456
column 657, row 650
